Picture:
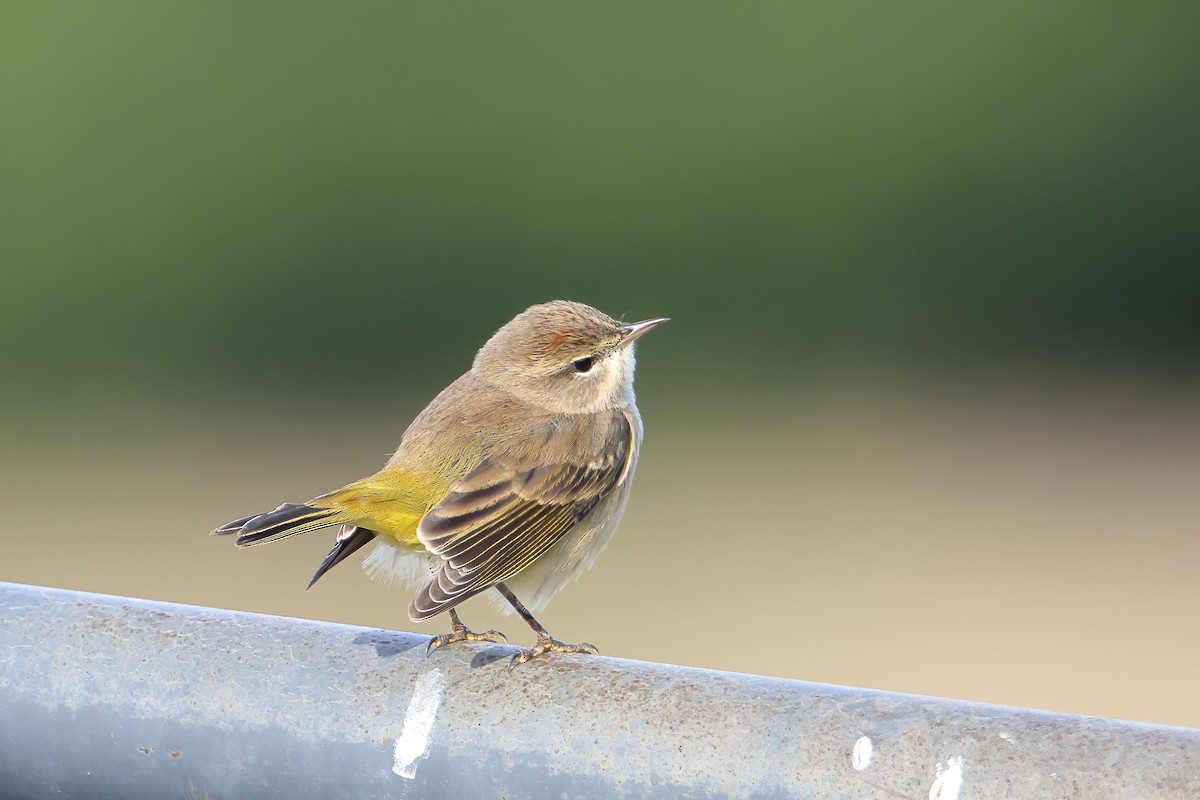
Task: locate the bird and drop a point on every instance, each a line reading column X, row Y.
column 511, row 481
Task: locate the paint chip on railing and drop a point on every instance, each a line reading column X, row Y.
column 949, row 780
column 861, row 757
column 413, row 741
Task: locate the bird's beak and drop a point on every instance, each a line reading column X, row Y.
column 630, row 333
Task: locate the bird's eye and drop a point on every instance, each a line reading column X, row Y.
column 584, row 364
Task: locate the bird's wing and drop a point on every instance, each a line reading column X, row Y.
column 510, row 510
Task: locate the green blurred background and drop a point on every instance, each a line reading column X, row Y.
column 925, row 418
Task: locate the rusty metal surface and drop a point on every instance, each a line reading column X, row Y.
column 109, row 697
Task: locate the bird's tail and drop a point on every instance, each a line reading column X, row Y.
column 287, row 520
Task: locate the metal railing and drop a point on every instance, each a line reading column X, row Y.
column 111, row 697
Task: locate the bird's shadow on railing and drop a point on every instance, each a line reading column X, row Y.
column 392, row 643
column 490, row 655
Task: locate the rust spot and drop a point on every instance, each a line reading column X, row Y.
column 174, row 753
column 146, row 750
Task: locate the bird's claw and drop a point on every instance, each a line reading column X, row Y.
column 462, row 633
column 545, row 644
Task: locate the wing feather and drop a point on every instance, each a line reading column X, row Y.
column 511, row 510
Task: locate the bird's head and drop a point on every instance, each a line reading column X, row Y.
column 565, row 357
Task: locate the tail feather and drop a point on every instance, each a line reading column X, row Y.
column 233, row 527
column 289, row 519
column 349, row 539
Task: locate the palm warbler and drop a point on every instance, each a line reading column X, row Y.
column 513, row 478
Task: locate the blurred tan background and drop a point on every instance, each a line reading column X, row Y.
column 927, row 417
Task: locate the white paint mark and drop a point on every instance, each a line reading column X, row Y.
column 413, row 741
column 949, row 780
column 1006, row 736
column 861, row 758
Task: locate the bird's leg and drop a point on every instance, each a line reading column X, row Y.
column 545, row 642
column 461, row 633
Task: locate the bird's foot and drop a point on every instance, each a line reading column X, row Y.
column 461, row 633
column 546, row 644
